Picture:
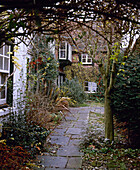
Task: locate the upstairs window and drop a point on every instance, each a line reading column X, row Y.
column 4, row 71
column 85, row 59
column 63, row 50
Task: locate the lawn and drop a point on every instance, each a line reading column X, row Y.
column 90, row 103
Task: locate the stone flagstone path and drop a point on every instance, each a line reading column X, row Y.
column 65, row 140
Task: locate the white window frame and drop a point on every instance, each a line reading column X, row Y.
column 70, row 53
column 91, row 86
column 63, row 50
column 60, row 80
column 87, row 58
column 4, row 71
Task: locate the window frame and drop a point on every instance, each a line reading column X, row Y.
column 60, row 80
column 4, row 70
column 87, row 57
column 89, row 86
column 63, row 50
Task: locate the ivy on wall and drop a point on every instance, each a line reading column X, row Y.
column 82, row 73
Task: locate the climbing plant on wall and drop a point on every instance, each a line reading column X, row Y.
column 77, row 70
column 43, row 67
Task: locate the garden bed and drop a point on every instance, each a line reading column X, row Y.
column 101, row 154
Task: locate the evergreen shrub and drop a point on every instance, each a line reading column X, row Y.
column 126, row 97
column 18, row 132
column 74, row 90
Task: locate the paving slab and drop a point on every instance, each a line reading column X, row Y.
column 83, row 117
column 41, row 168
column 75, row 142
column 83, row 121
column 53, row 161
column 76, row 136
column 74, row 131
column 66, row 124
column 76, row 115
column 60, row 140
column 80, row 124
column 74, row 110
column 69, row 118
column 84, row 110
column 74, row 162
column 69, row 151
column 57, row 132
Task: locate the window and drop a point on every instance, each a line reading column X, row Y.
column 4, row 71
column 90, row 87
column 85, row 59
column 60, row 80
column 3, row 88
column 63, row 50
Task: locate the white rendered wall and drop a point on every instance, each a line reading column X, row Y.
column 19, row 82
column 20, row 76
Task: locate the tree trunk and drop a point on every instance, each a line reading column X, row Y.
column 109, row 129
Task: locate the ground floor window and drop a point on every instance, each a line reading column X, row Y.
column 3, row 87
column 60, row 80
column 90, row 87
column 4, row 71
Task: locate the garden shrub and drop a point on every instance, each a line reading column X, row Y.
column 74, row 90
column 81, row 72
column 42, row 91
column 18, row 132
column 14, row 157
column 41, row 108
column 126, row 97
